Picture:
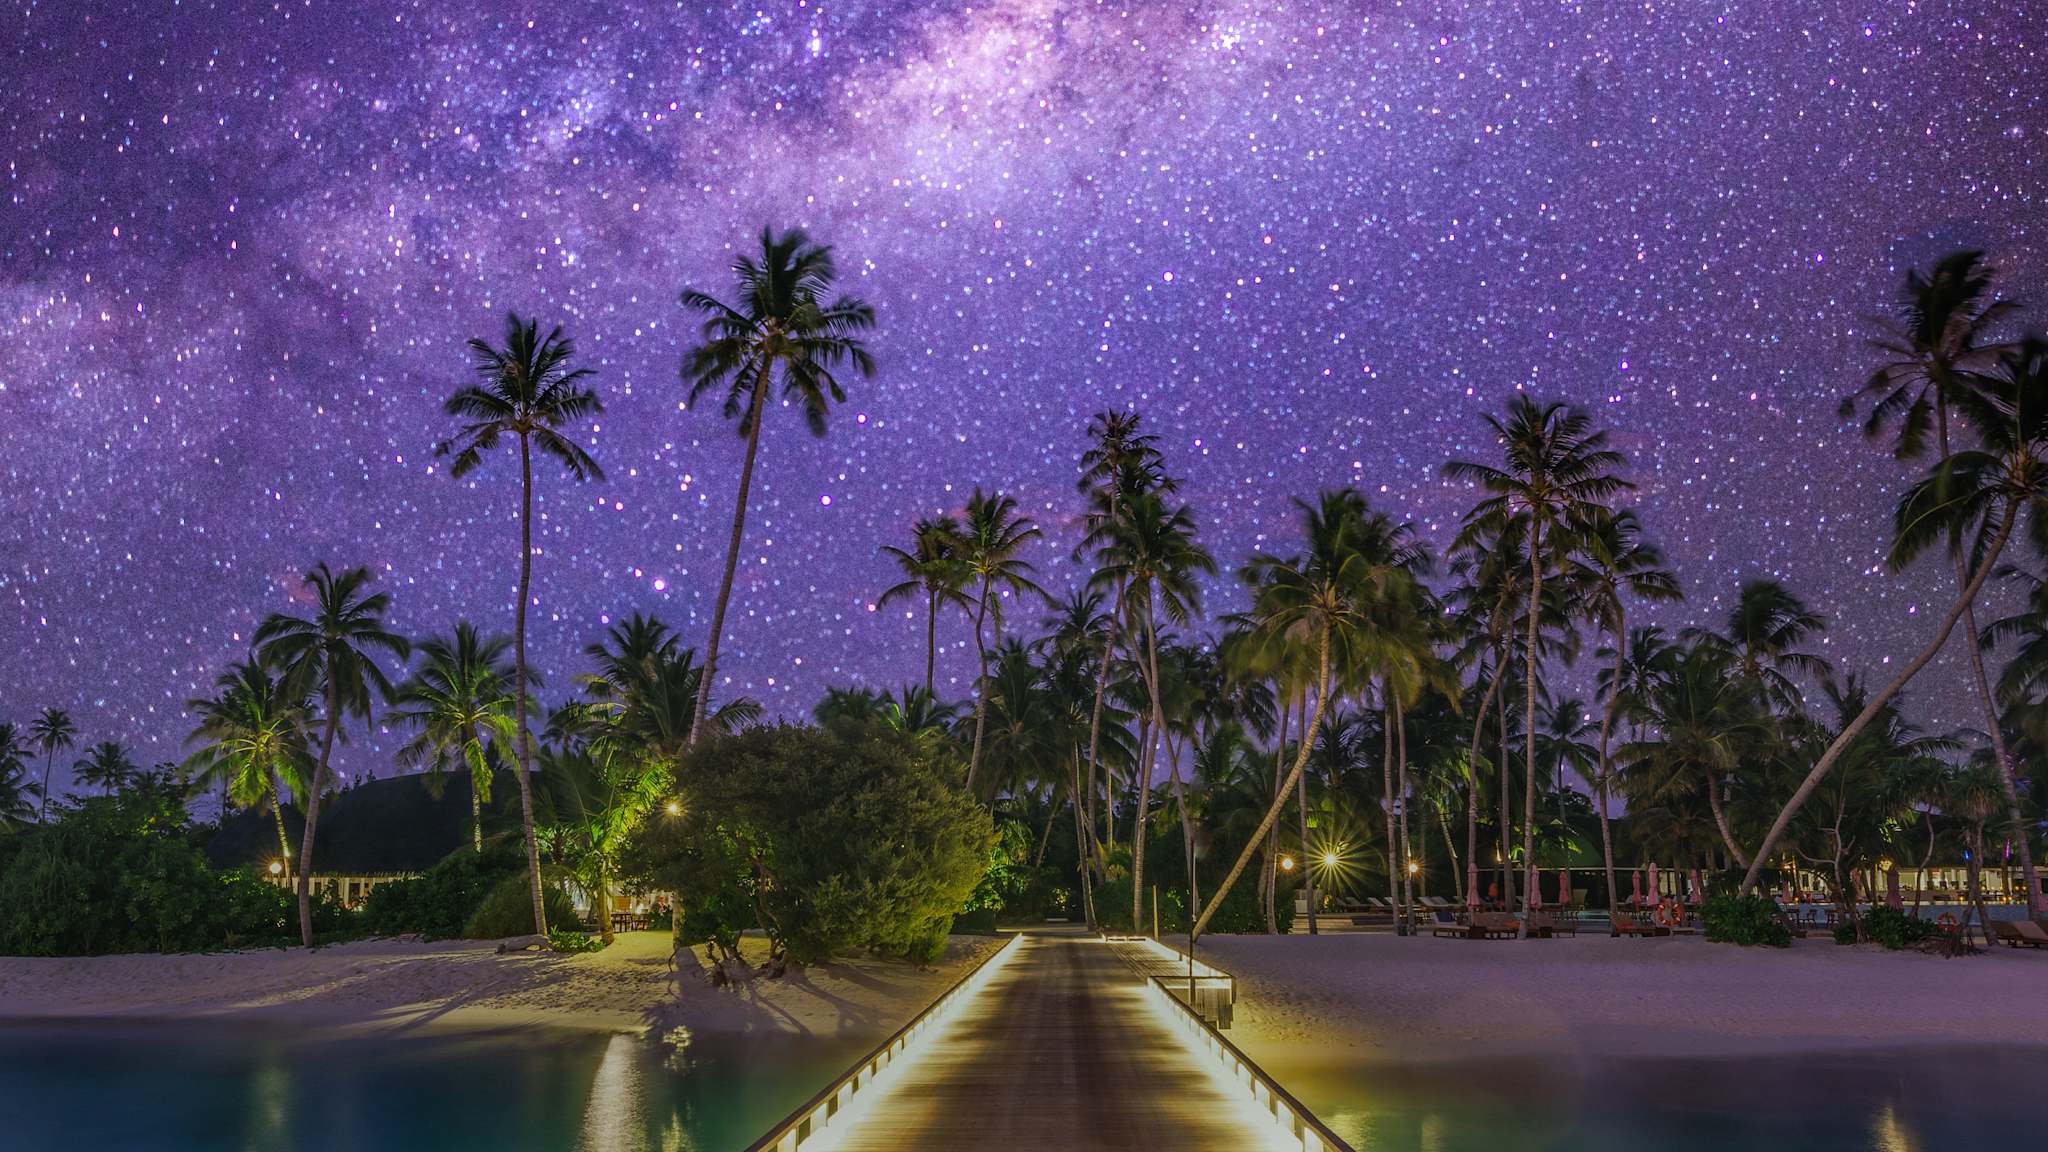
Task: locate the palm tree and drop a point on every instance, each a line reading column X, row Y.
column 1935, row 349
column 1619, row 564
column 1764, row 628
column 1973, row 499
column 780, row 323
column 459, row 702
column 105, row 766
column 1706, row 723
column 1149, row 553
column 1555, row 482
column 931, row 568
column 17, row 794
column 1323, row 599
column 992, row 537
column 331, row 654
column 528, row 393
column 53, row 732
column 252, row 741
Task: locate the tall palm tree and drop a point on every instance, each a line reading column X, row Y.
column 1619, row 564
column 1324, row 600
column 931, row 568
column 1765, row 627
column 780, row 325
column 105, row 766
column 17, row 794
column 53, row 732
column 1556, row 479
column 330, row 654
column 1935, row 349
column 528, row 394
column 1149, row 553
column 251, row 735
column 1973, row 499
column 459, row 704
column 992, row 540
column 1706, row 722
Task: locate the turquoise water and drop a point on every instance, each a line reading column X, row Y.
column 1917, row 1101
column 182, row 1088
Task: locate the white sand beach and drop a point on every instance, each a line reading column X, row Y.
column 1373, row 998
column 398, row 983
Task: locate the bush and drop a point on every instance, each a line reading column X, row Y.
column 507, row 910
column 845, row 837
column 1746, row 920
column 1889, row 927
column 438, row 904
column 566, row 940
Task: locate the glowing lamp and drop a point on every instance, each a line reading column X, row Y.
column 1329, row 859
column 1413, row 868
column 277, row 867
column 675, row 808
column 1287, row 863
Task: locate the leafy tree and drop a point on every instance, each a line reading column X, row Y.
column 528, row 394
column 17, row 793
column 459, row 704
column 331, row 654
column 780, row 325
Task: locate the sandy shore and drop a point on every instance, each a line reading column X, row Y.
column 1375, row 998
column 397, row 984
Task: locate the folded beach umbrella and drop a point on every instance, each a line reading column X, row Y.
column 1564, row 887
column 1697, row 887
column 1635, row 880
column 1892, row 897
column 1472, row 883
column 1656, row 893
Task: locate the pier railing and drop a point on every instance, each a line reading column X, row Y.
column 811, row 1117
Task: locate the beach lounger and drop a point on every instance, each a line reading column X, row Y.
column 1448, row 924
column 2017, row 932
column 1435, row 902
column 1630, row 926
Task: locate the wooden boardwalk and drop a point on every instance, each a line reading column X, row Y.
column 1063, row 1050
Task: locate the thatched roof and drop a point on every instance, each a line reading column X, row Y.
column 376, row 827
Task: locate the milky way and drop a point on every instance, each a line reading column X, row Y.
column 242, row 244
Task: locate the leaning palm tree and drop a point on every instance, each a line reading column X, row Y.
column 931, row 568
column 780, row 325
column 459, row 704
column 252, row 742
column 1322, row 600
column 17, row 792
column 528, row 394
column 1973, row 500
column 1150, row 555
column 1935, row 349
column 53, row 732
column 1555, row 481
column 105, row 766
column 330, row 655
column 1619, row 565
column 992, row 540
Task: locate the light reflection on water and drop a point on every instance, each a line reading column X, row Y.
column 1879, row 1101
column 183, row 1087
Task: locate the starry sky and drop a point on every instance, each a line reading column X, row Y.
column 242, row 245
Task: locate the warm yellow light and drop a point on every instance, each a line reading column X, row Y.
column 1413, row 867
column 675, row 808
column 1329, row 859
column 1885, row 864
column 1287, row 863
column 277, row 867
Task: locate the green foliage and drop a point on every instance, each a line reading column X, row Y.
column 838, row 838
column 120, row 874
column 569, row 940
column 1746, row 920
column 507, row 909
column 438, row 905
column 1890, row 927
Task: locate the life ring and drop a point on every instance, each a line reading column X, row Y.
column 1669, row 915
column 1947, row 921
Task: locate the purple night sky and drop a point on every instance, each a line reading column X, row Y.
column 241, row 245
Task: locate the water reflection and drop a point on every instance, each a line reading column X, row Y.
column 612, row 1118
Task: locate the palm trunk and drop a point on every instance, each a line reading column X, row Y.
column 604, row 907
column 1870, row 710
column 1095, row 719
column 1143, row 814
column 43, row 801
column 1308, row 864
column 1280, row 798
column 2017, row 829
column 1180, row 799
column 1081, row 835
column 931, row 641
column 1401, row 793
column 1721, row 820
column 284, row 844
column 1052, row 812
column 1507, row 823
column 519, row 682
column 1273, row 834
column 305, row 877
column 1387, row 791
column 732, row 558
column 980, row 684
column 1472, row 779
column 1606, row 762
column 476, row 792
column 1529, row 727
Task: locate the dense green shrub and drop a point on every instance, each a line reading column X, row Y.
column 1748, row 920
column 438, row 904
column 507, row 909
column 1889, row 927
column 838, row 838
column 120, row 874
column 570, row 940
